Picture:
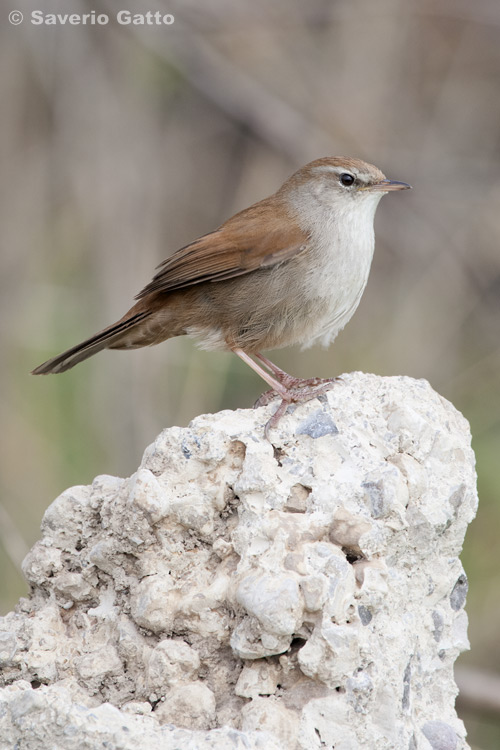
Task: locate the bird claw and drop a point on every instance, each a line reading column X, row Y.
column 306, row 391
column 292, row 383
column 273, row 421
column 266, row 398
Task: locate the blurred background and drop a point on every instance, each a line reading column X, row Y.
column 119, row 144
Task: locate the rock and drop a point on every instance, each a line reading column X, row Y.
column 171, row 661
column 238, row 594
column 274, row 600
column 459, row 592
column 49, row 718
column 191, row 706
column 150, row 605
column 271, row 716
column 440, row 735
column 258, row 677
column 8, row 648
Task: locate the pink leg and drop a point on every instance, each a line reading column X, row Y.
column 291, row 390
column 289, row 381
column 275, row 385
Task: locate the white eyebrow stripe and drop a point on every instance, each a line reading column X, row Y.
column 337, row 170
column 342, row 170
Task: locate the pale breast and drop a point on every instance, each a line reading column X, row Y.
column 305, row 300
column 339, row 277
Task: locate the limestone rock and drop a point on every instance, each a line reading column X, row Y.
column 235, row 593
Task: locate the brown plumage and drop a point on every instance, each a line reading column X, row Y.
column 289, row 269
column 256, row 238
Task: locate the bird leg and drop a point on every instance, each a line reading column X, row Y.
column 289, row 381
column 278, row 388
column 291, row 390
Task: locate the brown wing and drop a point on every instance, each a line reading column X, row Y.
column 258, row 237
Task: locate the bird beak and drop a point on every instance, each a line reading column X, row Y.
column 385, row 186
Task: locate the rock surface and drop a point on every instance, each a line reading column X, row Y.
column 235, row 593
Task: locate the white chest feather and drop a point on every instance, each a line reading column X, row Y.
column 345, row 243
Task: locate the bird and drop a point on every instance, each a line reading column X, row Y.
column 290, row 269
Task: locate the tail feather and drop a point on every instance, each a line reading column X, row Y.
column 87, row 348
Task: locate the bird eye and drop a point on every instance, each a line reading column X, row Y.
column 346, row 179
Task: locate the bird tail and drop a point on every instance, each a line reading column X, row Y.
column 102, row 340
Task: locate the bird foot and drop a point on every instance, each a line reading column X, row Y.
column 292, row 383
column 303, row 390
column 266, row 398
